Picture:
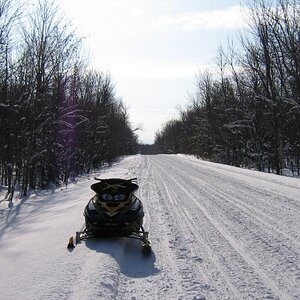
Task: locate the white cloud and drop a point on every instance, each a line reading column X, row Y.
column 111, row 19
column 147, row 70
column 232, row 17
column 124, row 19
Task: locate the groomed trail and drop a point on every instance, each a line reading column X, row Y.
column 217, row 232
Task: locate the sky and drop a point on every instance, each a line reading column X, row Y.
column 153, row 49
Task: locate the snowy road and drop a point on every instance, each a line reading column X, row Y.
column 217, row 232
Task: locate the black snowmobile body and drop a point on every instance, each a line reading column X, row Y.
column 113, row 211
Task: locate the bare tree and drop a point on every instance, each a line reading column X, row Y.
column 9, row 14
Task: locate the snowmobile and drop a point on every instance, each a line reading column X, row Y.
column 114, row 211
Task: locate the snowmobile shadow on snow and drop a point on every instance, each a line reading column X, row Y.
column 114, row 225
column 127, row 254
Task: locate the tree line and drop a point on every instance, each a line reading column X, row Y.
column 58, row 117
column 248, row 113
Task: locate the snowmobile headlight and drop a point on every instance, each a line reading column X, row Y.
column 107, row 197
column 119, row 197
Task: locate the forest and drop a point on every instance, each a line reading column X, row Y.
column 246, row 112
column 59, row 117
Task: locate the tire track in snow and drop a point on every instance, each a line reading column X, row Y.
column 164, row 283
column 283, row 261
column 253, row 210
column 288, row 198
column 250, row 203
column 192, row 196
column 200, row 268
column 223, row 257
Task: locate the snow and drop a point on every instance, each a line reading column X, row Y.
column 217, row 232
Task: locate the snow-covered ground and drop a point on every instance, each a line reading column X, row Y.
column 217, row 232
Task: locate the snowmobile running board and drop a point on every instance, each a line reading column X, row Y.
column 84, row 235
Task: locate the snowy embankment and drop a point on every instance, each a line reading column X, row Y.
column 217, row 232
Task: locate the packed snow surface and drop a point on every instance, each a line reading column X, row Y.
column 217, row 232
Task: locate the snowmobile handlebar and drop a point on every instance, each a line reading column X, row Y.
column 131, row 179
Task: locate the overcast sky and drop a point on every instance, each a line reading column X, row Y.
column 153, row 49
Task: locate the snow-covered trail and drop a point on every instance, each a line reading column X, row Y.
column 217, row 232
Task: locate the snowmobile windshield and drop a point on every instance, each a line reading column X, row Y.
column 114, row 189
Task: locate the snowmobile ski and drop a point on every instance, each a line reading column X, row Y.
column 85, row 234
